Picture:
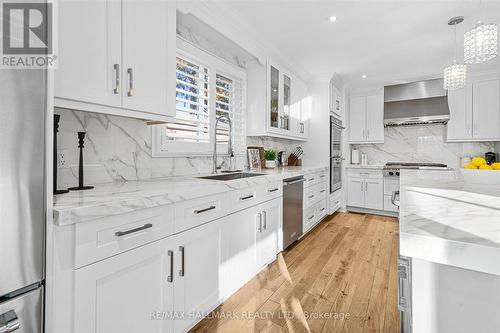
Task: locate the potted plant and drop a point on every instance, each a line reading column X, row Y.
column 270, row 156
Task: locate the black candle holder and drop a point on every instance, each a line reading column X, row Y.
column 57, row 117
column 81, row 137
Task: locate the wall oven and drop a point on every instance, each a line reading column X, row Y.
column 335, row 153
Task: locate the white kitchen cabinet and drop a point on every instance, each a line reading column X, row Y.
column 270, row 219
column 459, row 126
column 121, row 62
column 89, row 52
column 475, row 112
column 196, row 273
column 375, row 118
column 335, row 100
column 365, row 189
column 239, row 249
column 356, row 192
column 366, row 119
column 357, row 119
column 486, row 110
column 275, row 102
column 120, row 293
column 374, row 194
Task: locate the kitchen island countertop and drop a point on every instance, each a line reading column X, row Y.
column 451, row 217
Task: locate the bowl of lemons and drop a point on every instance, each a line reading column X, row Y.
column 479, row 163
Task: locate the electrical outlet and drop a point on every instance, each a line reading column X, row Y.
column 61, row 159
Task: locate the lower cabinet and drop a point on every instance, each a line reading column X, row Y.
column 170, row 284
column 365, row 189
column 196, row 273
column 249, row 242
column 120, row 294
column 270, row 217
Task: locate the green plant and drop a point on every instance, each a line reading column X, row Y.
column 270, row 155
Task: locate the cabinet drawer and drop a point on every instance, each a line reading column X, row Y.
column 314, row 178
column 109, row 236
column 365, row 173
column 320, row 210
column 244, row 198
column 309, row 218
column 321, row 191
column 309, row 197
column 270, row 191
column 189, row 214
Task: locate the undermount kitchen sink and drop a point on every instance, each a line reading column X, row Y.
column 232, row 176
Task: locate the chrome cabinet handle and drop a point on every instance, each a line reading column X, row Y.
column 260, row 222
column 311, row 196
column 273, row 190
column 199, row 211
column 123, row 233
column 310, row 179
column 322, row 209
column 362, row 187
column 130, row 74
column 264, row 215
column 116, row 69
column 181, row 271
column 9, row 322
column 170, row 277
column 247, row 197
column 310, row 217
column 322, row 191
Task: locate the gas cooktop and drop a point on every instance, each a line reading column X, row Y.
column 392, row 168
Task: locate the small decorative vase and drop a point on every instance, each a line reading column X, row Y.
column 270, row 164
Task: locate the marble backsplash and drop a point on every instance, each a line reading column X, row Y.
column 421, row 143
column 119, row 149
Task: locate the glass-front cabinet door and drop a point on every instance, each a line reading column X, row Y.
column 287, row 102
column 274, row 100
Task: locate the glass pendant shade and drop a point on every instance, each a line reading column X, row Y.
column 455, row 77
column 481, row 43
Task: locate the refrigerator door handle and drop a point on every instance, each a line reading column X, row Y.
column 9, row 322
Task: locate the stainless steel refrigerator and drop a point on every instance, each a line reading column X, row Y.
column 23, row 96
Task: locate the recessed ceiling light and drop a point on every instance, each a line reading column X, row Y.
column 332, row 18
column 363, row 76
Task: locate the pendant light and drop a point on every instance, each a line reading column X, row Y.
column 481, row 42
column 455, row 75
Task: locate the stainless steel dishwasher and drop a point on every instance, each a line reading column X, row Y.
column 292, row 210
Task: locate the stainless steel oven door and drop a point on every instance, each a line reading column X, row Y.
column 335, row 173
column 335, row 137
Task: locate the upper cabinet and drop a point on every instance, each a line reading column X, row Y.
column 120, row 62
column 366, row 118
column 335, row 100
column 475, row 112
column 277, row 102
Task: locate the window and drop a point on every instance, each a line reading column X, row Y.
column 206, row 88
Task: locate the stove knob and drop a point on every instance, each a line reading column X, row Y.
column 391, row 173
column 397, row 173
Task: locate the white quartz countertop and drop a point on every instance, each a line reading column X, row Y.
column 118, row 198
column 451, row 217
column 366, row 166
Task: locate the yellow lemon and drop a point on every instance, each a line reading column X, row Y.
column 470, row 166
column 478, row 161
column 496, row 166
column 485, row 167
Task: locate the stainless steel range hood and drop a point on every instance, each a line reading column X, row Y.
column 416, row 103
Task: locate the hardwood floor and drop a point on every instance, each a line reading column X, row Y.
column 347, row 266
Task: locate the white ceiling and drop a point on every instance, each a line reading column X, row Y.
column 390, row 41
